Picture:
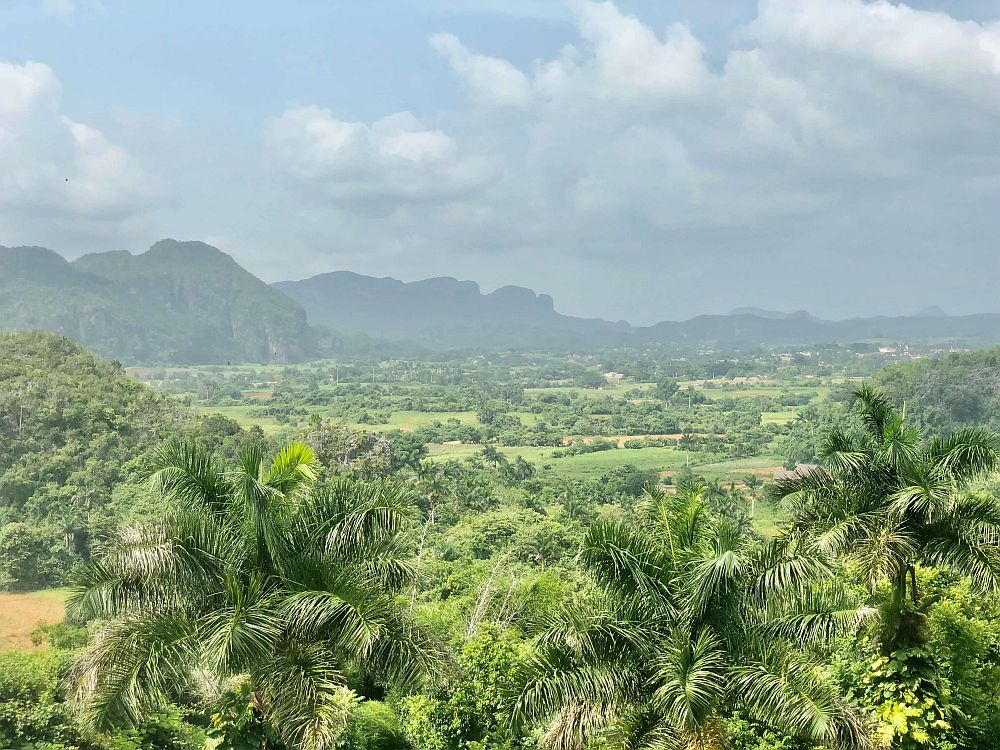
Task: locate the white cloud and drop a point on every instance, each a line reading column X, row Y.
column 628, row 60
column 925, row 45
column 55, row 169
column 394, row 159
column 490, row 80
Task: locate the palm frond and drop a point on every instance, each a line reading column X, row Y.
column 292, row 469
column 965, row 454
column 875, row 410
column 305, row 696
column 690, row 679
column 245, row 630
column 134, row 665
column 187, row 474
column 627, row 562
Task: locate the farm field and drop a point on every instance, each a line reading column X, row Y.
column 566, row 411
column 22, row 613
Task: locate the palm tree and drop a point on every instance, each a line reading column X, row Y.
column 691, row 619
column 885, row 501
column 256, row 574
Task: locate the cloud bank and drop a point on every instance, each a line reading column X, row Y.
column 832, row 139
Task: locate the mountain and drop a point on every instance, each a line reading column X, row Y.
column 178, row 302
column 803, row 329
column 443, row 312
column 759, row 312
column 188, row 302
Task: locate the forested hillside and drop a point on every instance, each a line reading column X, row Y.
column 946, row 393
column 74, row 431
column 940, row 394
column 177, row 302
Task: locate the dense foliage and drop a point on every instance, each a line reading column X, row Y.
column 354, row 578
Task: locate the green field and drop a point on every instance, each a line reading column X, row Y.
column 411, row 420
column 241, row 415
column 778, row 417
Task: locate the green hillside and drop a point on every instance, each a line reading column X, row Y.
column 179, row 302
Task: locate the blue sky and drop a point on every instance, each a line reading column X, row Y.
column 640, row 160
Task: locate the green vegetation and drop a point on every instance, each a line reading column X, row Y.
column 178, row 302
column 463, row 552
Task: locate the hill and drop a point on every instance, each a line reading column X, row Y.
column 72, row 426
column 75, row 432
column 948, row 393
column 442, row 312
column 179, row 302
column 446, row 313
column 190, row 303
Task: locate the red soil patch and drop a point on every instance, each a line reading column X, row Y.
column 257, row 394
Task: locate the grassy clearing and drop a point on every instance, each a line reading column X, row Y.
column 778, row 417
column 22, row 613
column 241, row 415
column 767, row 518
column 407, row 421
column 763, row 466
column 590, row 465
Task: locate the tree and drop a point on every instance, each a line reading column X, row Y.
column 693, row 620
column 885, row 501
column 493, row 456
column 256, row 577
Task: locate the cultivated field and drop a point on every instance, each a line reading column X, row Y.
column 395, row 413
column 22, row 613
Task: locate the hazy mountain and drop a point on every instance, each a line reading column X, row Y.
column 759, row 312
column 188, row 302
column 442, row 312
column 805, row 329
column 933, row 311
column 182, row 302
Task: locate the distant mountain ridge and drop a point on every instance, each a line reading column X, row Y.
column 446, row 313
column 442, row 312
column 188, row 302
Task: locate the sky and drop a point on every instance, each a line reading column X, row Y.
column 638, row 159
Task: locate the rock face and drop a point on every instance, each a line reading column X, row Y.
column 441, row 312
column 181, row 302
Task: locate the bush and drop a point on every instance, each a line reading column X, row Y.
column 374, row 725
column 31, row 709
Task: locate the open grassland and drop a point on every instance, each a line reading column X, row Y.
column 22, row 613
column 590, row 465
column 763, row 466
column 241, row 415
column 779, row 417
column 407, row 421
column 667, row 461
